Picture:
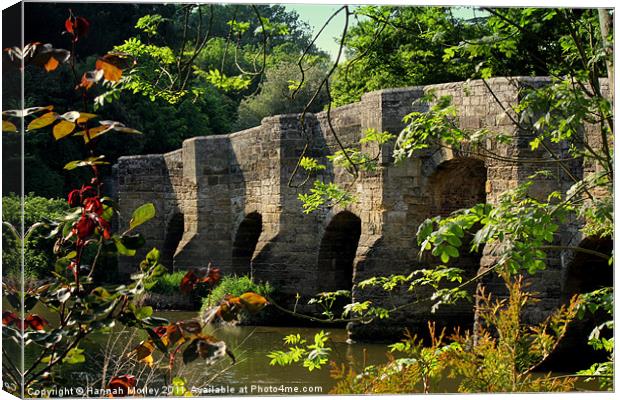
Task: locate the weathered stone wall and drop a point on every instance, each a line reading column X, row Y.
column 237, row 196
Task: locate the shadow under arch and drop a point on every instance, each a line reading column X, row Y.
column 173, row 235
column 584, row 273
column 337, row 252
column 455, row 184
column 245, row 243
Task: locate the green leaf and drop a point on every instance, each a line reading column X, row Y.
column 74, row 356
column 141, row 215
column 143, row 312
column 121, row 248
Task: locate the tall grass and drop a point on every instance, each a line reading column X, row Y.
column 166, row 284
column 235, row 286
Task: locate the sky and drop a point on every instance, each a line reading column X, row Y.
column 316, row 15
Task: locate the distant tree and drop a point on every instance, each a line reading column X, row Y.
column 275, row 92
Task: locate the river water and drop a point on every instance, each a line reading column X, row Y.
column 251, row 374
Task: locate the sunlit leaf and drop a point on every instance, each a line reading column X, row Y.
column 51, row 64
column 89, row 78
column 92, row 133
column 8, row 126
column 143, row 352
column 110, row 64
column 253, row 302
column 119, row 126
column 85, row 117
column 48, row 57
column 62, row 129
column 70, row 116
column 43, row 121
column 141, row 215
column 85, row 163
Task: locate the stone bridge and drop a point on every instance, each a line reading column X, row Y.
column 230, row 200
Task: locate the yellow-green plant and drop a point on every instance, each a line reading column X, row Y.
column 504, row 352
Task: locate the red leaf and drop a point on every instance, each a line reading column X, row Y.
column 188, row 282
column 69, row 25
column 93, row 205
column 213, row 276
column 123, row 385
column 77, row 26
column 84, row 227
column 74, row 198
column 160, row 331
column 36, row 322
column 8, row 318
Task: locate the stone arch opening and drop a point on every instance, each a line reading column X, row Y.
column 245, row 243
column 584, row 273
column 457, row 184
column 588, row 272
column 173, row 236
column 337, row 252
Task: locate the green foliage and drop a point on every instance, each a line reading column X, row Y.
column 504, row 363
column 590, row 303
column 498, row 362
column 311, row 164
column 141, row 215
column 310, row 356
column 223, row 82
column 352, row 160
column 152, row 62
column 275, row 92
column 167, row 283
column 150, row 23
column 37, row 259
column 440, row 279
column 519, row 227
column 400, row 46
column 328, row 300
column 324, row 194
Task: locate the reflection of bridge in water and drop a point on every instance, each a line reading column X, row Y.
column 225, row 199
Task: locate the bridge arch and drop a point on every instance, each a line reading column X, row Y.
column 455, row 184
column 584, row 273
column 246, row 239
column 172, row 237
column 337, row 252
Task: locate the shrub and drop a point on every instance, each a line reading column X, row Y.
column 502, row 361
column 235, row 286
column 38, row 258
column 166, row 284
